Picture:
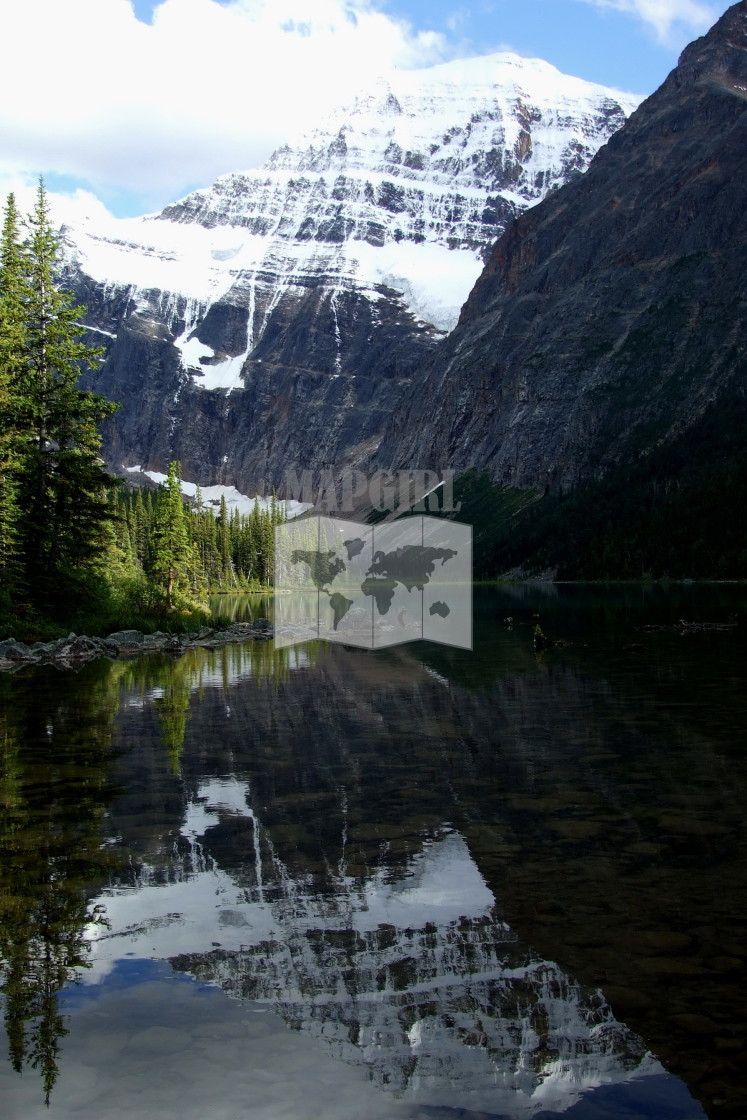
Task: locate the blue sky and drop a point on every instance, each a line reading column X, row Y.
column 597, row 43
column 600, row 42
column 140, row 101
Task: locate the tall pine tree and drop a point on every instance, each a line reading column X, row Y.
column 12, row 359
column 172, row 550
column 63, row 483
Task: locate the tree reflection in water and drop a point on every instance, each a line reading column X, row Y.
column 55, row 761
column 55, row 755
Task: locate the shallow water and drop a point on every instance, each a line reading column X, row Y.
column 421, row 882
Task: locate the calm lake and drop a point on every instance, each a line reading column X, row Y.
column 418, row 884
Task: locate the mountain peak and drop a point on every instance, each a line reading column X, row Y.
column 325, row 277
column 730, row 31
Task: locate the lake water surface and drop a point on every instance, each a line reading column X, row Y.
column 417, row 884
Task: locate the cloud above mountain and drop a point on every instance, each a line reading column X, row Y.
column 672, row 20
column 137, row 112
column 204, row 88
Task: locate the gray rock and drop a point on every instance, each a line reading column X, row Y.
column 125, row 638
column 74, row 649
column 80, row 647
column 12, row 650
column 156, row 641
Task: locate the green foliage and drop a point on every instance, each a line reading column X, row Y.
column 53, row 485
column 12, row 336
column 171, row 555
column 222, row 553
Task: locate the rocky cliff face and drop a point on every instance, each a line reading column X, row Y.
column 275, row 319
column 611, row 315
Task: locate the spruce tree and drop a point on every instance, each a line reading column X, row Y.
column 63, row 483
column 224, row 544
column 12, row 357
column 172, row 550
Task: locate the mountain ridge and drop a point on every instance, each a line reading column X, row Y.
column 274, row 319
column 609, row 317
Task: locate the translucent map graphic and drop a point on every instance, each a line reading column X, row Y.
column 373, row 585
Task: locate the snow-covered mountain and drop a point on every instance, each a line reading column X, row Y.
column 272, row 319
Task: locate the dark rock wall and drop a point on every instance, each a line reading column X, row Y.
column 609, row 316
column 311, row 397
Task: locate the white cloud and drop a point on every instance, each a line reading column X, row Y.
column 674, row 21
column 206, row 88
column 75, row 208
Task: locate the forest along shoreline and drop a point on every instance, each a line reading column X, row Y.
column 75, row 650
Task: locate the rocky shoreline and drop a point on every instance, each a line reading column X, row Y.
column 77, row 649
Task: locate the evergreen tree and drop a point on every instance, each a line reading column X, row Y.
column 255, row 536
column 172, row 549
column 12, row 341
column 230, row 551
column 224, row 543
column 62, row 481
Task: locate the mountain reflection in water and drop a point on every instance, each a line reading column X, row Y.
column 415, row 976
column 484, row 882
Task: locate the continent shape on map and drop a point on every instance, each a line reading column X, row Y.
column 322, row 567
column 382, row 591
column 354, row 547
column 440, row 608
column 412, row 565
column 340, row 606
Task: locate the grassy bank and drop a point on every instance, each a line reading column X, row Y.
column 97, row 605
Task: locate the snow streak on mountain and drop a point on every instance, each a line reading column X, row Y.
column 347, row 255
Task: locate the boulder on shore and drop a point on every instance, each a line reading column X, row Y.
column 76, row 649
